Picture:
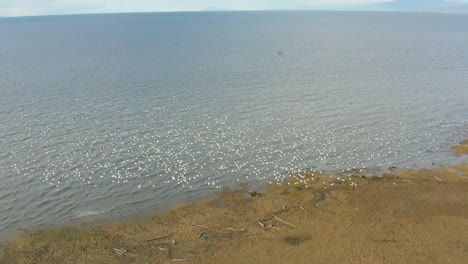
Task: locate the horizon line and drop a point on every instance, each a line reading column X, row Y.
column 237, row 11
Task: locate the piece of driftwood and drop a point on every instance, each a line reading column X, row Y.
column 282, row 221
column 178, row 260
column 202, row 226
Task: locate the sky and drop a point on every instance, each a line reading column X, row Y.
column 10, row 8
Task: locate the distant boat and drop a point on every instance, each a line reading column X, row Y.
column 280, row 52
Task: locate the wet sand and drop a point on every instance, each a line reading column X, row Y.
column 404, row 217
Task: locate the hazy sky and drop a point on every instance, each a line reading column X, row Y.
column 47, row 7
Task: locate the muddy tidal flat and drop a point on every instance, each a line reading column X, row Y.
column 409, row 216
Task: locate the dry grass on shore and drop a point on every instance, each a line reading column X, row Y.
column 461, row 148
column 408, row 217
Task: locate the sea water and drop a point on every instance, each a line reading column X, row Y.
column 119, row 115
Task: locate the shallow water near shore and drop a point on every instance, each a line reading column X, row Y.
column 410, row 216
column 108, row 116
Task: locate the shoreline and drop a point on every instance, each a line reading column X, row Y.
column 411, row 216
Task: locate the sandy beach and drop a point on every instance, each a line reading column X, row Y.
column 407, row 216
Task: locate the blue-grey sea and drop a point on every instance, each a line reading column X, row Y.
column 112, row 116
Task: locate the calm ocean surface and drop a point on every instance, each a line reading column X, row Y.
column 108, row 116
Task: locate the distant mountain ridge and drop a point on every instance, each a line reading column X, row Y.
column 404, row 5
column 399, row 5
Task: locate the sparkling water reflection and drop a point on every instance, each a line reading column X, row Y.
column 117, row 114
